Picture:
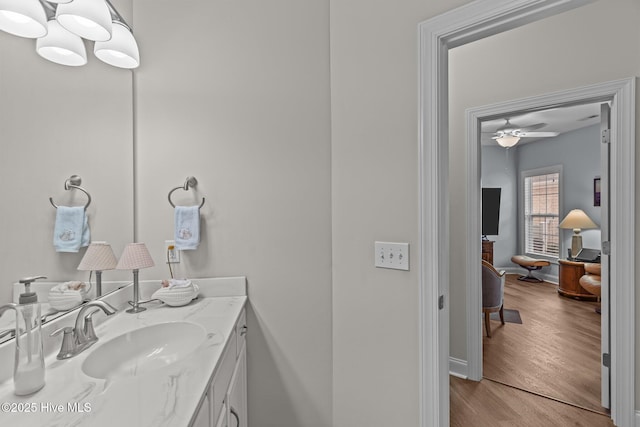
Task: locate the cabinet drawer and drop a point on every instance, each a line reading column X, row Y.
column 223, row 376
column 241, row 331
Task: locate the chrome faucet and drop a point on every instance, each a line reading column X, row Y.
column 82, row 336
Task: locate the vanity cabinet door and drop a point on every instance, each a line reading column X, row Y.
column 237, row 394
column 222, row 420
column 203, row 419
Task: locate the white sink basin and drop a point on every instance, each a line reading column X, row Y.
column 143, row 350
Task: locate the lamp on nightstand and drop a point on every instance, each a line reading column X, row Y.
column 577, row 220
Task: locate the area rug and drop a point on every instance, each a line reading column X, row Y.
column 510, row 316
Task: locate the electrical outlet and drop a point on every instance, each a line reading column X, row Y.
column 173, row 255
column 392, row 255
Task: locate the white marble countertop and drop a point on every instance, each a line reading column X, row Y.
column 165, row 397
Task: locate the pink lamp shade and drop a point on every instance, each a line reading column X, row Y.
column 134, row 257
column 99, row 257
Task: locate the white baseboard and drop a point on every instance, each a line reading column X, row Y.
column 458, row 368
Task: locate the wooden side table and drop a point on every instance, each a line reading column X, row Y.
column 569, row 280
column 487, row 251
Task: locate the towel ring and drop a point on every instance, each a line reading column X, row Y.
column 74, row 182
column 191, row 181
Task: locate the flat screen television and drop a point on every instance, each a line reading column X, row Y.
column 490, row 211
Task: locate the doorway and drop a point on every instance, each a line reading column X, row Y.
column 550, row 344
column 464, row 25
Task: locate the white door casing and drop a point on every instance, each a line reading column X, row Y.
column 605, row 207
column 463, row 25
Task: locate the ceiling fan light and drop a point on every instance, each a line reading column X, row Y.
column 23, row 18
column 507, row 141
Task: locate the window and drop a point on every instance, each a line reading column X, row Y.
column 541, row 211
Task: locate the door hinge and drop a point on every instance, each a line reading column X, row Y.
column 606, row 248
column 606, row 136
column 606, row 360
column 441, row 302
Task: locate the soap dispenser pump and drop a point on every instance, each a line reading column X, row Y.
column 28, row 370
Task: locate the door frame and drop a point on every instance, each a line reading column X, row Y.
column 457, row 27
column 619, row 93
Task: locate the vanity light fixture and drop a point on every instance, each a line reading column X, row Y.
column 135, row 257
column 98, row 257
column 60, row 25
column 121, row 50
column 24, row 18
column 90, row 19
column 60, row 45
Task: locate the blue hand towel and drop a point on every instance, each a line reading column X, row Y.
column 187, row 227
column 71, row 230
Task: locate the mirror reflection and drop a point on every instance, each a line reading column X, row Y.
column 58, row 122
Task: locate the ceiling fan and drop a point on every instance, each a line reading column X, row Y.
column 508, row 135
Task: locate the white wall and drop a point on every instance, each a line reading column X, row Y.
column 595, row 43
column 237, row 95
column 374, row 162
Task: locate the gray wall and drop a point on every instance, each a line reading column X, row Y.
column 579, row 154
column 499, row 169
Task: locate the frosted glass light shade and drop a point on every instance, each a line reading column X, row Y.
column 134, row 257
column 24, row 18
column 99, row 257
column 90, row 19
column 62, row 47
column 507, row 141
column 121, row 51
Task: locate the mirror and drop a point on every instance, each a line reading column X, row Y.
column 58, row 121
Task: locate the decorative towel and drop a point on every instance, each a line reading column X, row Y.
column 176, row 283
column 67, row 295
column 176, row 292
column 71, row 230
column 187, row 227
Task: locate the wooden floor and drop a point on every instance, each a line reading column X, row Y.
column 555, row 352
column 489, row 404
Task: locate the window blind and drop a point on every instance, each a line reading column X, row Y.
column 541, row 211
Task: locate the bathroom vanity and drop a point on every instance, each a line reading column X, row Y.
column 166, row 366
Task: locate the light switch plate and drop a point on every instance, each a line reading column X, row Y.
column 392, row 255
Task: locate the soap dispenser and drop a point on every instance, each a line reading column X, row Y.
column 28, row 370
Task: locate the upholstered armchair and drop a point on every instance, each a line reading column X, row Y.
column 492, row 293
column 591, row 280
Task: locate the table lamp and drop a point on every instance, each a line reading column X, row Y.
column 135, row 257
column 98, row 257
column 577, row 220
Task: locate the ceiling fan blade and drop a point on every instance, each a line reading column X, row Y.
column 537, row 134
column 533, row 127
